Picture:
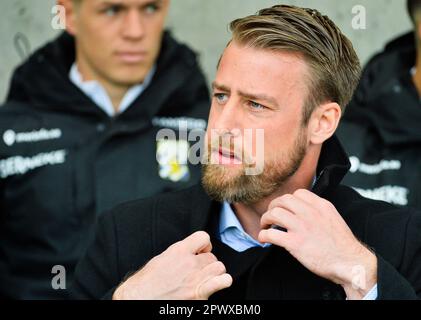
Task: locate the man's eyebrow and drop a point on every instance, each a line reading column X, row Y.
column 220, row 87
column 259, row 97
column 123, row 4
column 250, row 96
column 115, row 2
column 154, row 2
column 108, row 3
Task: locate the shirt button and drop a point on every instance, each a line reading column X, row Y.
column 100, row 127
column 397, row 88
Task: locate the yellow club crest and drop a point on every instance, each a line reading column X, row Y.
column 172, row 156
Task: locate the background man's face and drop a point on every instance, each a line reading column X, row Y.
column 119, row 40
column 257, row 89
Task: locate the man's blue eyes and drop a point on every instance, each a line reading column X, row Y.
column 114, row 10
column 151, row 8
column 256, row 105
column 222, row 98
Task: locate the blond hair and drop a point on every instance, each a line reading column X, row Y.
column 334, row 65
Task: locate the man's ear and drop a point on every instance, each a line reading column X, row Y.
column 324, row 122
column 70, row 12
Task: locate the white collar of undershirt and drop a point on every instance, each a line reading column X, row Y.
column 96, row 92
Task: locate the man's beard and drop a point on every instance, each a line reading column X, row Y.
column 220, row 184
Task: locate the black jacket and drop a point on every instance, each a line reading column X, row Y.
column 126, row 240
column 381, row 128
column 63, row 160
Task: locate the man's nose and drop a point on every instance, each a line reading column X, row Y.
column 133, row 26
column 229, row 119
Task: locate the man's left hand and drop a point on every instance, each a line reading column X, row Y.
column 319, row 238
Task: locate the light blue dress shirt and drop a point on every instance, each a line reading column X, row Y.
column 96, row 92
column 232, row 233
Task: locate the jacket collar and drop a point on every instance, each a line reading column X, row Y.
column 43, row 80
column 332, row 167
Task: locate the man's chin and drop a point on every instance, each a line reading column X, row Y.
column 221, row 182
column 225, row 173
column 129, row 76
column 130, row 81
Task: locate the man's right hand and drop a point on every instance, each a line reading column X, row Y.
column 187, row 270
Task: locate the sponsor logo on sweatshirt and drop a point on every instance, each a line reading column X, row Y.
column 19, row 165
column 397, row 195
column 373, row 169
column 180, row 122
column 393, row 194
column 11, row 137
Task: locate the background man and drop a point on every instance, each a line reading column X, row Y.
column 380, row 129
column 79, row 135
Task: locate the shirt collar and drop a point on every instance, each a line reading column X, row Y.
column 94, row 90
column 232, row 233
column 228, row 218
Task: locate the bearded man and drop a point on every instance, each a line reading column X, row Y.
column 270, row 219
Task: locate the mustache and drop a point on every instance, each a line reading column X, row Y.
column 229, row 149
